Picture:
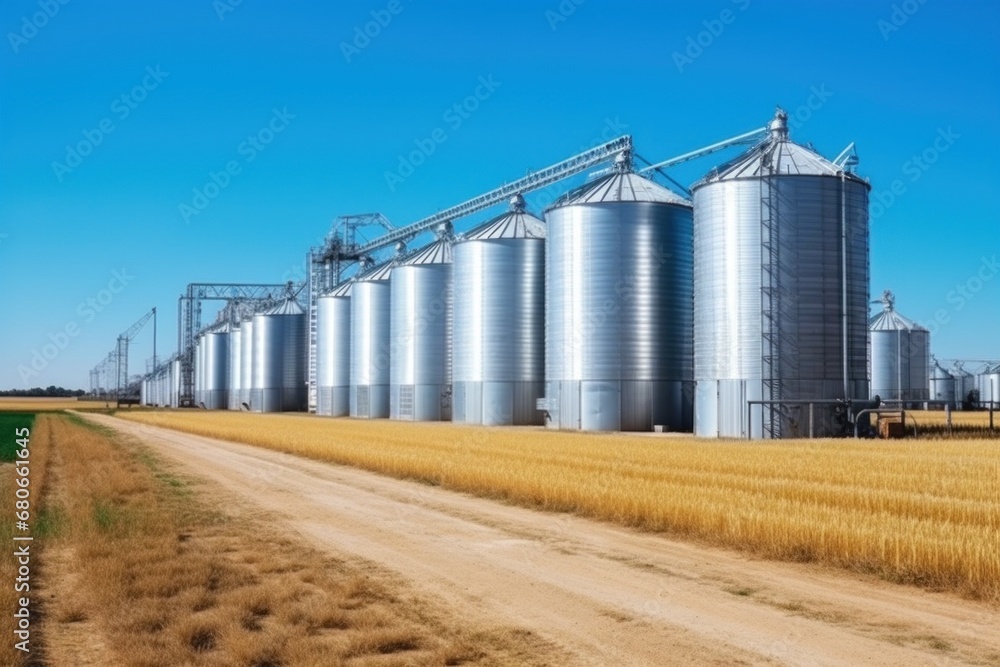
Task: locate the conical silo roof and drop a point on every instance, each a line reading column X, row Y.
column 939, row 373
column 438, row 252
column 776, row 156
column 286, row 307
column 514, row 224
column 889, row 319
column 621, row 187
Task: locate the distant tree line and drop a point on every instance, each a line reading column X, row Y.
column 49, row 392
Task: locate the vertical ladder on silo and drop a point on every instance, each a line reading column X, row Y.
column 779, row 348
column 770, row 339
column 315, row 277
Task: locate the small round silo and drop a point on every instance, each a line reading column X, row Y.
column 279, row 359
column 333, row 352
column 199, row 371
column 246, row 363
column 175, row 384
column 900, row 355
column 216, row 374
column 942, row 386
column 145, row 394
column 235, row 366
column 988, row 384
column 420, row 335
column 499, row 343
column 965, row 383
column 618, row 307
column 781, row 292
column 370, row 320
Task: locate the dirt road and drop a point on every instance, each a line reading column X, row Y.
column 607, row 595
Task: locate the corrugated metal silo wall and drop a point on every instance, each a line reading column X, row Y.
column 175, row 384
column 942, row 390
column 235, row 368
column 618, row 351
column 216, row 389
column 370, row 315
column 420, row 342
column 247, row 365
column 333, row 355
column 199, row 371
column 806, row 305
column 900, row 364
column 499, row 323
column 279, row 363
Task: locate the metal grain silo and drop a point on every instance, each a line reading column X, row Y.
column 145, row 393
column 942, row 385
column 618, row 307
column 900, row 355
column 965, row 383
column 370, row 315
column 988, row 383
column 235, row 366
column 216, row 374
column 199, row 371
column 279, row 359
column 420, row 328
column 246, row 363
column 499, row 342
column 333, row 352
column 175, row 384
column 781, row 291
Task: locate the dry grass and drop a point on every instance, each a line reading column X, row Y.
column 921, row 512
column 143, row 573
column 40, row 523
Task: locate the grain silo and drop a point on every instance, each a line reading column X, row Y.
column 370, row 315
column 215, row 377
column 499, row 321
column 199, row 371
column 781, row 291
column 942, row 386
column 420, row 334
column 900, row 355
column 333, row 352
column 618, row 307
column 965, row 384
column 988, row 384
column 278, row 378
column 175, row 383
column 246, row 362
column 235, row 365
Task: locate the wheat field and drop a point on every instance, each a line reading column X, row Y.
column 920, row 512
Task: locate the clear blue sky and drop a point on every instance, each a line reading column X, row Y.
column 559, row 84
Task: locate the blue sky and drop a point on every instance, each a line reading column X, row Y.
column 310, row 129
